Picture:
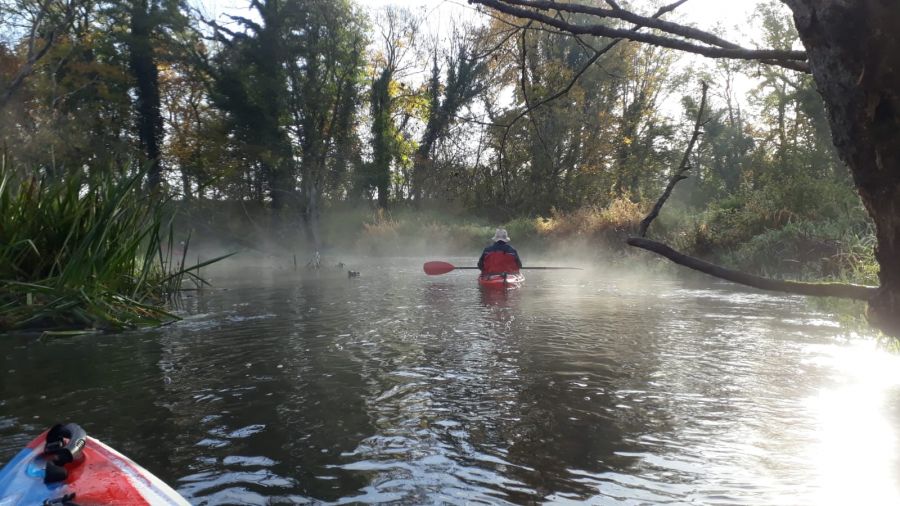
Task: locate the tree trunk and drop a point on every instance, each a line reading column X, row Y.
column 277, row 176
column 382, row 144
column 421, row 159
column 146, row 76
column 854, row 55
column 186, row 185
column 312, row 212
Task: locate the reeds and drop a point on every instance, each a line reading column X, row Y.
column 85, row 253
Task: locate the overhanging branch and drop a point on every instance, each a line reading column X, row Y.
column 712, row 46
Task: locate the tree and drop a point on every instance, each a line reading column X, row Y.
column 383, row 135
column 250, row 85
column 289, row 84
column 607, row 134
column 147, row 20
column 464, row 80
column 74, row 109
column 854, row 57
column 853, row 53
column 324, row 76
column 197, row 142
column 393, row 58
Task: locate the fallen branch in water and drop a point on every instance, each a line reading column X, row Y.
column 842, row 290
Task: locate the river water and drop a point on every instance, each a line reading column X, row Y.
column 397, row 387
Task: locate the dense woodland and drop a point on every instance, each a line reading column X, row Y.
column 298, row 109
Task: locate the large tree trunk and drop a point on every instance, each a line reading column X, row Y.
column 854, row 55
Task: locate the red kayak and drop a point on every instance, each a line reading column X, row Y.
column 65, row 466
column 505, row 280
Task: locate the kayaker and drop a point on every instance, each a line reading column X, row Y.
column 499, row 257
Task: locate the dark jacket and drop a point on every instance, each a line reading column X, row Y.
column 499, row 246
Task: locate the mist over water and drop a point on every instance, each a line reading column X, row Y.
column 599, row 386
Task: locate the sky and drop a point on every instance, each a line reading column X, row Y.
column 704, row 13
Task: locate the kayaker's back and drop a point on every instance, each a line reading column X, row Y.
column 496, row 262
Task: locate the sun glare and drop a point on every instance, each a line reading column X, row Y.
column 854, row 449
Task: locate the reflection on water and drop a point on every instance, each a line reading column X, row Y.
column 399, row 387
column 856, row 421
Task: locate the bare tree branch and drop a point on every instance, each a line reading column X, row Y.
column 218, row 30
column 510, row 33
column 37, row 51
column 630, row 17
column 715, row 47
column 249, row 23
column 597, row 54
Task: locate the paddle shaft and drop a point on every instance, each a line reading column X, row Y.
column 436, row 268
column 536, row 268
column 555, row 268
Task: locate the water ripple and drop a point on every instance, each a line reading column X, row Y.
column 395, row 387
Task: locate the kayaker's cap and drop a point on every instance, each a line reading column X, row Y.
column 501, row 235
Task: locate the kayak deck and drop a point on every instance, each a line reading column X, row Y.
column 103, row 476
column 505, row 280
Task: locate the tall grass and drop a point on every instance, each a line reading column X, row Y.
column 616, row 220
column 84, row 253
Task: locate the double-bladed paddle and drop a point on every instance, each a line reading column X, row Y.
column 437, row 268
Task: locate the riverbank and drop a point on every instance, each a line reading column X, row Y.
column 98, row 254
column 833, row 247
